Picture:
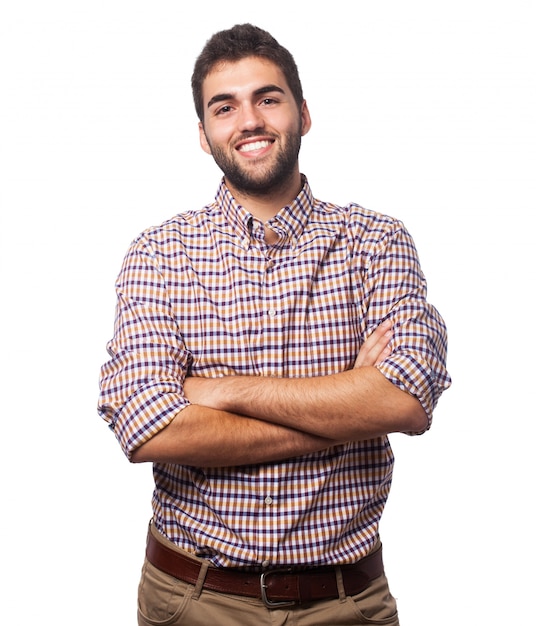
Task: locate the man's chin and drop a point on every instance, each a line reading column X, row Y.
column 256, row 187
column 259, row 182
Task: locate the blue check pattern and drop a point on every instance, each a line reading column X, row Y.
column 203, row 294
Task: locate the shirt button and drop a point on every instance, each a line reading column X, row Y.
column 268, row 500
column 272, row 312
column 265, row 563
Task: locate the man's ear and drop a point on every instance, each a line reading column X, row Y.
column 306, row 118
column 203, row 139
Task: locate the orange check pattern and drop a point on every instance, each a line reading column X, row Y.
column 204, row 295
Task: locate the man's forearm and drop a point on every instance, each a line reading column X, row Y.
column 205, row 437
column 353, row 405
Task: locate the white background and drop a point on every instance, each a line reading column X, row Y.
column 422, row 110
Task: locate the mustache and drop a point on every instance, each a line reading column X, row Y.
column 252, row 134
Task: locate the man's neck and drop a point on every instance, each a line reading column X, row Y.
column 264, row 206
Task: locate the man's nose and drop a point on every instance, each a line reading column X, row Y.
column 250, row 118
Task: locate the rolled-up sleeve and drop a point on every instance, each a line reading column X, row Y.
column 141, row 386
column 396, row 289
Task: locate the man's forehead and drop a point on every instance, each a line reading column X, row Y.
column 248, row 74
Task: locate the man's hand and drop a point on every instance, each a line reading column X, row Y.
column 376, row 348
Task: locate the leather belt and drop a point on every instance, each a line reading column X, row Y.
column 277, row 587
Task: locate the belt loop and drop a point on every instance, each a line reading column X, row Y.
column 340, row 584
column 200, row 580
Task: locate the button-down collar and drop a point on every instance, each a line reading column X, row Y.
column 289, row 222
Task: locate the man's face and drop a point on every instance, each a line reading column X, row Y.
column 252, row 125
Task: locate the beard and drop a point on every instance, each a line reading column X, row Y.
column 262, row 179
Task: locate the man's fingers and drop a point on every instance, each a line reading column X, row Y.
column 376, row 347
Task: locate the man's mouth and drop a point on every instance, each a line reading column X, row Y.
column 252, row 146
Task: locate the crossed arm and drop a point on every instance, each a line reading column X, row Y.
column 240, row 420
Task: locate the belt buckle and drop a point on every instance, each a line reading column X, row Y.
column 271, row 604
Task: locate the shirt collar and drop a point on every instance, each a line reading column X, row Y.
column 289, row 222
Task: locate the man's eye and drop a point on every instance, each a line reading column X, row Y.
column 224, row 109
column 267, row 101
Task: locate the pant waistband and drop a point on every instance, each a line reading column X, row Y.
column 276, row 587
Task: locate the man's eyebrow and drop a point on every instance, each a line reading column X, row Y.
column 268, row 89
column 258, row 92
column 218, row 98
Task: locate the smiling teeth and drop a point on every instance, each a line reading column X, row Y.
column 256, row 145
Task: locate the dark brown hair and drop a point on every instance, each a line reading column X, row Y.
column 239, row 42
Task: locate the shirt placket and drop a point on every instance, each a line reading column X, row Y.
column 268, row 502
column 273, row 305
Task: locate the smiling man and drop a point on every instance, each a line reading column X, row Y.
column 264, row 348
column 253, row 126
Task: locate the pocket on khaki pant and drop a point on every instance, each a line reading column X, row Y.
column 376, row 605
column 161, row 597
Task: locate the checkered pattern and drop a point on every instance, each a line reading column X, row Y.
column 203, row 294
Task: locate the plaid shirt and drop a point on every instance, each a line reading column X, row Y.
column 204, row 295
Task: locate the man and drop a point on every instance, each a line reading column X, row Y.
column 264, row 348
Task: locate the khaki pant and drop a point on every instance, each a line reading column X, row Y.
column 164, row 600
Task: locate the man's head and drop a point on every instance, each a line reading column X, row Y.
column 236, row 43
column 252, row 113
